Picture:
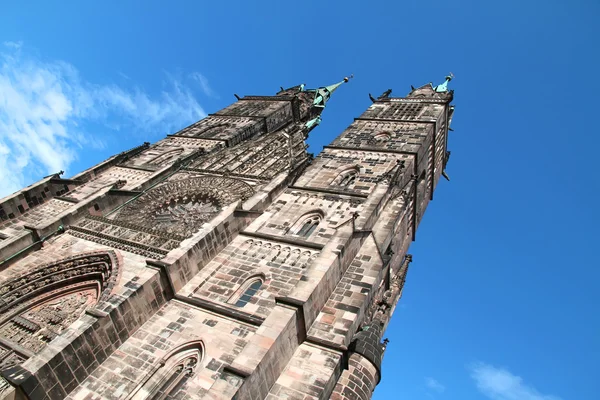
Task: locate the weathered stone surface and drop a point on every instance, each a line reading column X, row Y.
column 222, row 262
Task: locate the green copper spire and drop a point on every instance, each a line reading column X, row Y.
column 323, row 94
column 444, row 86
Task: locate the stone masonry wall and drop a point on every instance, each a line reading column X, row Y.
column 310, row 375
column 173, row 325
column 358, row 381
column 339, row 318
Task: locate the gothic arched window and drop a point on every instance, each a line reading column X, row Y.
column 167, row 157
column 176, row 378
column 212, row 131
column 246, row 291
column 171, row 374
column 347, row 178
column 307, row 225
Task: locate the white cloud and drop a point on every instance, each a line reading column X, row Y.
column 47, row 109
column 201, row 79
column 500, row 384
column 434, row 385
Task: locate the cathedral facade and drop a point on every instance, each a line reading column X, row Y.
column 224, row 261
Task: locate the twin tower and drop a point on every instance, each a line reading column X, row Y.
column 224, row 261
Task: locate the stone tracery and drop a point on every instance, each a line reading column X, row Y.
column 182, row 206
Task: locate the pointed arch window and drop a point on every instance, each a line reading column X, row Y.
column 177, row 378
column 165, row 158
column 347, row 179
column 212, row 131
column 307, row 225
column 246, row 291
column 171, row 374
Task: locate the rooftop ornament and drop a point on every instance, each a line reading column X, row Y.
column 323, row 94
column 443, row 88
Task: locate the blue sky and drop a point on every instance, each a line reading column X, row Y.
column 501, row 302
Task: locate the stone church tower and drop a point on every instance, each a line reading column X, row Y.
column 222, row 262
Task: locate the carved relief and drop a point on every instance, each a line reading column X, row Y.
column 8, row 358
column 39, row 325
column 182, row 207
column 37, row 307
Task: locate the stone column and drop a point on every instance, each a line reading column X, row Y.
column 364, row 366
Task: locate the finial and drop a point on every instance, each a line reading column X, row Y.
column 444, row 86
column 237, row 97
column 323, row 94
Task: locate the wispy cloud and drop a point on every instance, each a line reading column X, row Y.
column 434, row 385
column 201, row 79
column 500, row 384
column 47, row 110
column 14, row 45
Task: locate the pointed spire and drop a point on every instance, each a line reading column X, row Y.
column 323, row 94
column 444, row 86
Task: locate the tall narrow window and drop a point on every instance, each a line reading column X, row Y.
column 171, row 374
column 249, row 289
column 177, row 378
column 166, row 158
column 309, row 226
column 348, row 179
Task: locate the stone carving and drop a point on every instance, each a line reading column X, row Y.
column 38, row 306
column 288, row 255
column 4, row 388
column 182, row 207
column 139, row 237
column 39, row 325
column 9, row 358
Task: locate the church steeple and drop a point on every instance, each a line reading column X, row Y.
column 323, row 94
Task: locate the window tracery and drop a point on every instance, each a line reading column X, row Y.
column 307, row 225
column 346, row 179
column 165, row 158
column 171, row 374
